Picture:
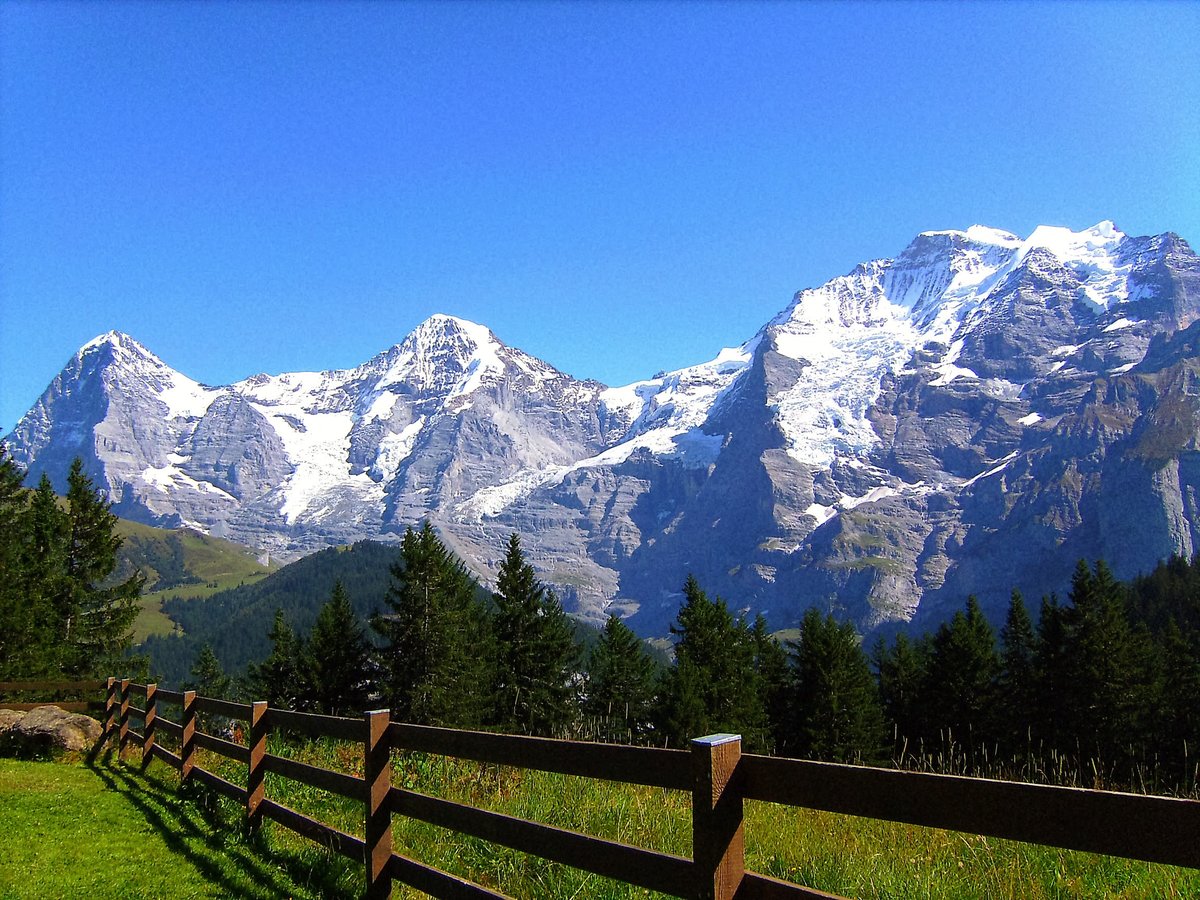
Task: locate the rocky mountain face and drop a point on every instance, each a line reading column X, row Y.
column 969, row 417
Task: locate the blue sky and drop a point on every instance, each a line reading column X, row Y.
column 614, row 187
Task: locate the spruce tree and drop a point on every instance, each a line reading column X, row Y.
column 49, row 637
column 18, row 622
column 775, row 683
column 537, row 657
column 208, row 676
column 1016, row 683
column 902, row 671
column 437, row 658
column 836, row 711
column 713, row 686
column 337, row 658
column 620, row 685
column 1106, row 667
column 277, row 679
column 963, row 665
column 103, row 612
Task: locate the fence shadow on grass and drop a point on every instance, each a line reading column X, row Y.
column 242, row 866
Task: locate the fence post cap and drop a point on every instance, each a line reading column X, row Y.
column 715, row 740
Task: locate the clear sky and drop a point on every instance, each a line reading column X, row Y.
column 616, row 187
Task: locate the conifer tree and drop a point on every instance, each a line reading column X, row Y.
column 836, row 712
column 208, row 676
column 49, row 635
column 1016, row 683
column 713, row 686
column 537, row 657
column 277, row 679
column 963, row 664
column 1051, row 712
column 18, row 623
column 901, row 670
column 1105, row 665
column 103, row 612
column 620, row 684
column 437, row 658
column 775, row 682
column 337, row 658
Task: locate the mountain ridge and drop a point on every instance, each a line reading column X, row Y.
column 847, row 450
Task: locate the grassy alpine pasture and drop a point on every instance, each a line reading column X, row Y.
column 191, row 845
column 106, row 830
column 841, row 854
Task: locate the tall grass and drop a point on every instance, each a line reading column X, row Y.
column 854, row 857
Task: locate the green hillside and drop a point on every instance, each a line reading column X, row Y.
column 235, row 620
column 179, row 562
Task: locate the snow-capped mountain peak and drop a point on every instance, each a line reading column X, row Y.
column 863, row 441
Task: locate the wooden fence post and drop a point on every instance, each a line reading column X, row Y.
column 717, row 837
column 255, row 787
column 151, row 723
column 123, row 726
column 377, row 769
column 187, row 741
column 110, row 710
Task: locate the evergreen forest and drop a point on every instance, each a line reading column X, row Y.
column 1099, row 689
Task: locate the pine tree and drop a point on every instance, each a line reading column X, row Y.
column 620, row 684
column 49, row 636
column 713, row 686
column 1106, row 667
column 437, row 658
column 1051, row 711
column 1016, row 682
column 277, row 678
column 537, row 656
column 337, row 658
column 960, row 685
column 18, row 623
column 775, row 683
column 103, row 613
column 836, row 709
column 902, row 671
column 208, row 677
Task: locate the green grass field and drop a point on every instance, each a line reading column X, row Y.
column 70, row 828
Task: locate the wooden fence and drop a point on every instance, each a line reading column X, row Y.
column 80, row 690
column 719, row 777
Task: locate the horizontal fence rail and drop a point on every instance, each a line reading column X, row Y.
column 79, row 689
column 719, row 777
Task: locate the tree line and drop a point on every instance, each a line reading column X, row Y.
column 62, row 614
column 1103, row 689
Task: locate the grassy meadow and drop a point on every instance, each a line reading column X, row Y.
column 192, row 845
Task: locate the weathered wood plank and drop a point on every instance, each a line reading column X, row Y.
column 613, row 762
column 169, row 728
column 256, row 788
column 223, row 708
column 171, row 759
column 226, row 748
column 336, row 782
column 377, row 774
column 763, row 887
column 1153, row 829
column 633, row 865
column 437, row 883
column 174, row 697
column 313, row 725
column 63, row 686
column 219, row 784
column 319, row 832
column 718, row 841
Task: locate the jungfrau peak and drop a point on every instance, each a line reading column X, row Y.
column 968, row 417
